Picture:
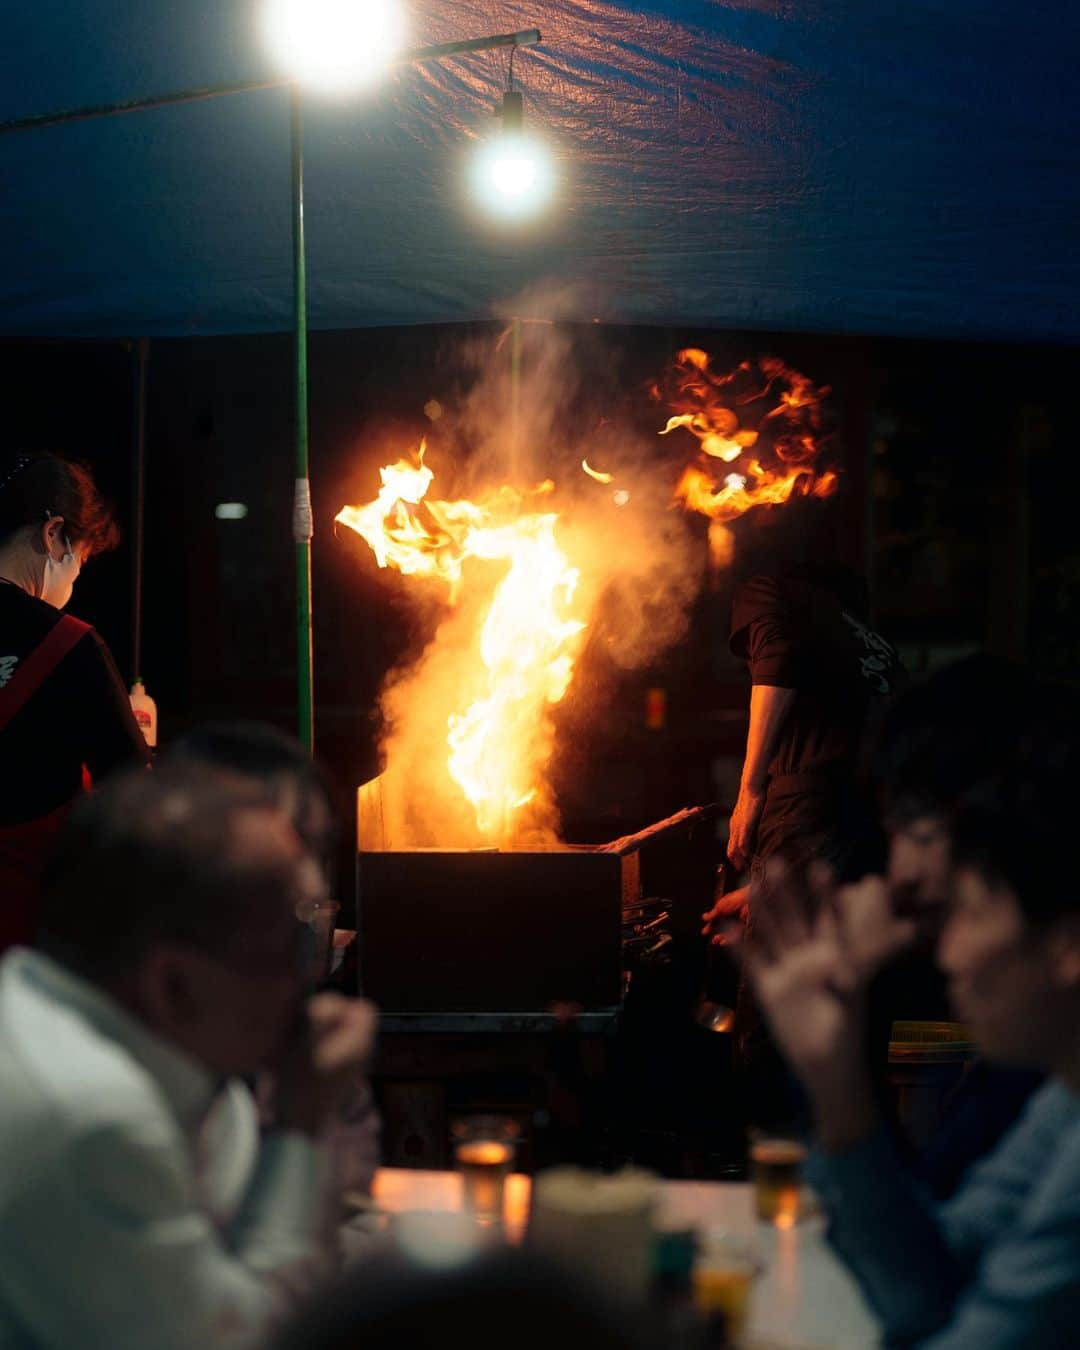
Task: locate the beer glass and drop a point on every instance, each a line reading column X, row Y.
column 724, row 1273
column 484, row 1153
column 776, row 1170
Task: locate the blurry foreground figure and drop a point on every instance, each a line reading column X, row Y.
column 509, row 1299
column 168, row 967
column 949, row 732
column 283, row 769
column 276, row 763
column 998, row 1266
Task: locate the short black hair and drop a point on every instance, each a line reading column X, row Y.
column 1015, row 828
column 948, row 731
column 154, row 856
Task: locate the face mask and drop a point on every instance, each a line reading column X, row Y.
column 59, row 579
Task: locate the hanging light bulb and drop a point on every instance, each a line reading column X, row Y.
column 334, row 45
column 513, row 173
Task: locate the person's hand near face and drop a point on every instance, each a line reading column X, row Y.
column 332, row 1042
column 874, row 925
column 813, row 949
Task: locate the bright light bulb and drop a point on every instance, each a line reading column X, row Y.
column 334, row 45
column 512, row 174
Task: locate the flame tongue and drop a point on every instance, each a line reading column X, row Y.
column 498, row 746
column 522, row 660
column 762, row 405
column 421, row 537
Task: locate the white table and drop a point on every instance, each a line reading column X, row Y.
column 805, row 1298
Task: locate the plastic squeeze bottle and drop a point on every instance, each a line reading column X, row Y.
column 145, row 710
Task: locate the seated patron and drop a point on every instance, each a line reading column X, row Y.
column 997, row 1267
column 947, row 733
column 280, row 766
column 167, row 969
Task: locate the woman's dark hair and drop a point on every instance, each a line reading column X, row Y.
column 34, row 487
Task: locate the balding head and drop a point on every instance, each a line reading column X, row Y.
column 181, row 855
column 180, row 892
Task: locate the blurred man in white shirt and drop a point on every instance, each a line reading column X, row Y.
column 168, row 967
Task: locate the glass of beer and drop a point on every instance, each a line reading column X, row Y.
column 724, row 1273
column 776, row 1169
column 484, row 1153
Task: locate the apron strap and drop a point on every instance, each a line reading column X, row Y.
column 33, row 670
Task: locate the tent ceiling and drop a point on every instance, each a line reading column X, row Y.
column 831, row 166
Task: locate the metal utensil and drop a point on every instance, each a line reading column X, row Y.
column 708, row 1013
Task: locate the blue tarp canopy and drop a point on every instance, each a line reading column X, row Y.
column 828, row 165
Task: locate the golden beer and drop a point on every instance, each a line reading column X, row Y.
column 776, row 1168
column 484, row 1165
column 726, row 1292
column 723, row 1278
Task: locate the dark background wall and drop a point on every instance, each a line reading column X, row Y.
column 957, row 503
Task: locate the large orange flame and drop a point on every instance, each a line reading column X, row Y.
column 523, row 657
column 506, row 651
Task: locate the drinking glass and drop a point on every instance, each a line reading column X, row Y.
column 724, row 1273
column 484, row 1153
column 776, row 1170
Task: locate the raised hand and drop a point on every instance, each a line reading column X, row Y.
column 809, row 974
column 332, row 1046
column 871, row 930
column 800, row 968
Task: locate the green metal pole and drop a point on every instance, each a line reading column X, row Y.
column 527, row 37
column 138, row 492
column 515, row 399
column 302, row 518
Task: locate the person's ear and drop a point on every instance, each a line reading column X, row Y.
column 1065, row 953
column 165, row 988
column 50, row 538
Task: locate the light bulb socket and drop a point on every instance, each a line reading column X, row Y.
column 513, row 111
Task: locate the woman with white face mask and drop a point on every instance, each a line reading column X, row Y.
column 65, row 718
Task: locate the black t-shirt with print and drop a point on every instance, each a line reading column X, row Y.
column 79, row 715
column 795, row 631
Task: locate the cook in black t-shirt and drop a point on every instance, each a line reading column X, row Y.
column 815, row 668
column 80, row 715
column 63, row 707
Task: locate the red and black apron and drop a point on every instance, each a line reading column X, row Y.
column 25, row 848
